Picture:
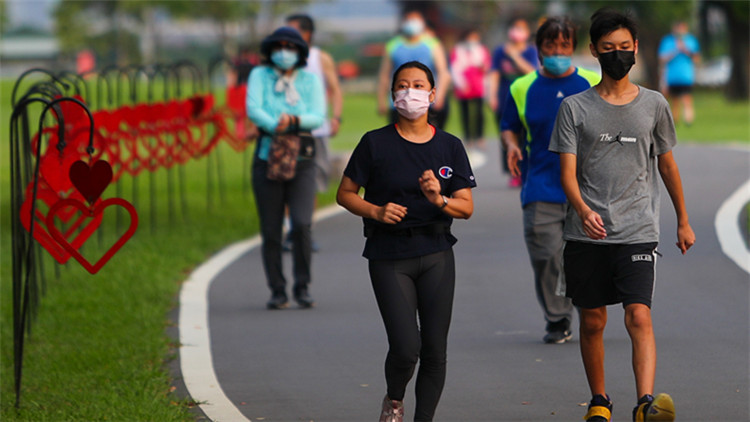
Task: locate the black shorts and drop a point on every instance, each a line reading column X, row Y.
column 679, row 90
column 600, row 274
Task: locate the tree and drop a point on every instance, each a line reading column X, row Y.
column 3, row 17
column 738, row 19
column 654, row 19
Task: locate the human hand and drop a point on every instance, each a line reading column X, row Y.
column 514, row 156
column 284, row 121
column 593, row 225
column 493, row 103
column 335, row 126
column 431, row 187
column 390, row 213
column 685, row 238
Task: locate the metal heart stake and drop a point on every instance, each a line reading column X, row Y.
column 91, row 181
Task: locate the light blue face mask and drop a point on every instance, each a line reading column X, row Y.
column 556, row 65
column 412, row 27
column 284, row 58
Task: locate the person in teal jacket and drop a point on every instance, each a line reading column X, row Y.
column 283, row 97
column 531, row 108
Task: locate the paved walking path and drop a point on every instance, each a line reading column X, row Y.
column 326, row 364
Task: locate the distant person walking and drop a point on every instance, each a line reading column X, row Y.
column 510, row 61
column 469, row 64
column 612, row 139
column 321, row 64
column 415, row 43
column 531, row 110
column 417, row 179
column 679, row 52
column 284, row 98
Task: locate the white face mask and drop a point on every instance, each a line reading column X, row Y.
column 411, row 103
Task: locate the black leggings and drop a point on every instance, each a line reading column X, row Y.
column 406, row 288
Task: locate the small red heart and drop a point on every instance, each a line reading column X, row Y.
column 95, row 212
column 91, row 181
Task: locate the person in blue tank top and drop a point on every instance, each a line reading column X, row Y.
column 415, row 43
column 678, row 53
column 531, row 110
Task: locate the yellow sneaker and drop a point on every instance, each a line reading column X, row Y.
column 652, row 409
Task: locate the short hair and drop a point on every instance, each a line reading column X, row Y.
column 305, row 22
column 553, row 27
column 417, row 65
column 607, row 20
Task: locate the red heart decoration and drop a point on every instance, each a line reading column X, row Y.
column 42, row 236
column 91, row 181
column 95, row 212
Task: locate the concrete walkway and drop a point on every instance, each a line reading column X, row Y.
column 243, row 362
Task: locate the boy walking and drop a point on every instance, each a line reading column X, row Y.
column 612, row 139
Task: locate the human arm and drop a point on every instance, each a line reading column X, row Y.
column 459, row 204
column 384, row 76
column 348, row 197
column 510, row 141
column 494, row 86
column 443, row 76
column 592, row 223
column 312, row 93
column 333, row 90
column 515, row 54
column 670, row 174
column 254, row 101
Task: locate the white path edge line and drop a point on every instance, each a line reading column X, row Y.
column 728, row 228
column 196, row 362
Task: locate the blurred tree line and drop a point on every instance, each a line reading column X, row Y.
column 125, row 31
column 655, row 19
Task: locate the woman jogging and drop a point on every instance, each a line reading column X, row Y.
column 416, row 179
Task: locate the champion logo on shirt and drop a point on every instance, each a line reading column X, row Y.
column 445, row 172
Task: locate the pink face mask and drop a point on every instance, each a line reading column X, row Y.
column 411, row 103
column 517, row 35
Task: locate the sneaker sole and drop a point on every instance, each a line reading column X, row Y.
column 661, row 409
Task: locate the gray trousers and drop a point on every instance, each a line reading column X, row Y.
column 271, row 197
column 543, row 229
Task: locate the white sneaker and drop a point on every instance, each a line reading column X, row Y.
column 393, row 410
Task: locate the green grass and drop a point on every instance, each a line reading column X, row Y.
column 99, row 348
column 716, row 120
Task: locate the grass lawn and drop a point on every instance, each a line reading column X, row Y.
column 98, row 348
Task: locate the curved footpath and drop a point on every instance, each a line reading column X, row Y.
column 244, row 363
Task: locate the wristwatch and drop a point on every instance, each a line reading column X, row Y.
column 445, row 201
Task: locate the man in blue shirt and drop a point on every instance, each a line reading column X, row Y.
column 531, row 109
column 678, row 53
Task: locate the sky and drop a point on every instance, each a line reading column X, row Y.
column 38, row 13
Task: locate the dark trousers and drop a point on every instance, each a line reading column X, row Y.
column 406, row 289
column 271, row 197
column 472, row 118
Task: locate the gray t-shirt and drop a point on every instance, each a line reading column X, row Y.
column 616, row 148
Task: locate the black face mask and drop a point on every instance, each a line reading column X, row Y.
column 617, row 63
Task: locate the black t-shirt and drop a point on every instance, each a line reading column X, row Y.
column 389, row 167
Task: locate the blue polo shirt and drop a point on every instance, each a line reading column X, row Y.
column 532, row 105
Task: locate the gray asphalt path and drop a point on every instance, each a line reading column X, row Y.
column 326, row 364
